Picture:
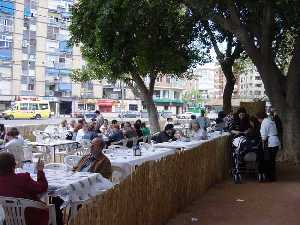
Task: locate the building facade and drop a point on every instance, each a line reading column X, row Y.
column 35, row 58
column 251, row 85
column 36, row 61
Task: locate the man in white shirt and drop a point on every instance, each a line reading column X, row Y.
column 271, row 143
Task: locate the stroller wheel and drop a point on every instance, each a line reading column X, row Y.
column 237, row 178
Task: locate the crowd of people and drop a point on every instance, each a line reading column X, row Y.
column 21, row 185
column 264, row 129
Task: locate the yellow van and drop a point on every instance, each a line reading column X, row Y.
column 28, row 110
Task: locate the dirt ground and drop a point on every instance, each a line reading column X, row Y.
column 250, row 203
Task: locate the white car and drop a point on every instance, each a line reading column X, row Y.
column 212, row 115
column 186, row 115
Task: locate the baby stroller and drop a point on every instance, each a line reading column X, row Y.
column 246, row 157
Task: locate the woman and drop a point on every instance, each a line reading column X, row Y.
column 23, row 186
column 197, row 132
column 116, row 135
column 241, row 123
column 104, row 129
column 145, row 129
column 138, row 131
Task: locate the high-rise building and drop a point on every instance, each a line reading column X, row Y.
column 36, row 61
column 251, row 85
column 35, row 58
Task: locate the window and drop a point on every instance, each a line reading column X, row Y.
column 165, row 93
column 80, row 107
column 176, row 95
column 91, row 107
column 24, row 106
column 258, row 85
column 43, row 106
column 168, row 80
column 157, row 94
column 33, row 106
column 133, row 107
column 166, row 107
column 257, row 92
column 257, row 78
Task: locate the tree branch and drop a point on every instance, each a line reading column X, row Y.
column 229, row 45
column 213, row 40
column 152, row 83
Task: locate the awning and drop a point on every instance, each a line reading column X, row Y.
column 105, row 102
column 167, row 101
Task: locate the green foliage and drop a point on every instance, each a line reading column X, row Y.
column 192, row 97
column 143, row 37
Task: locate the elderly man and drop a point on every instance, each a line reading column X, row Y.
column 96, row 161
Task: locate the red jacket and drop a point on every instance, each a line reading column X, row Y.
column 23, row 186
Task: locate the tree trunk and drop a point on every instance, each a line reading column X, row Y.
column 152, row 114
column 291, row 134
column 229, row 86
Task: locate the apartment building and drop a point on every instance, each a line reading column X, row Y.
column 251, row 85
column 35, row 58
column 168, row 93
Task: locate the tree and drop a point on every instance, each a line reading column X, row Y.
column 193, row 97
column 232, row 53
column 218, row 36
column 262, row 27
column 135, row 41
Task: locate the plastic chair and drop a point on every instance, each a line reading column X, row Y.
column 118, row 174
column 14, row 209
column 55, row 166
column 71, row 160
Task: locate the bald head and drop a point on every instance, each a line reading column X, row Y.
column 97, row 146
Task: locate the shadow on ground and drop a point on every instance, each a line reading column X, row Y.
column 250, row 203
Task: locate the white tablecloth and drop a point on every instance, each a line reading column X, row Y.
column 53, row 143
column 190, row 144
column 124, row 158
column 74, row 186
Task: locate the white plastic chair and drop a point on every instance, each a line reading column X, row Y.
column 71, row 160
column 14, row 209
column 118, row 174
column 55, row 166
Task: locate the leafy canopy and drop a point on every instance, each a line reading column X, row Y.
column 124, row 37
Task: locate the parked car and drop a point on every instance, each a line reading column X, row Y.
column 130, row 114
column 186, row 115
column 166, row 114
column 212, row 115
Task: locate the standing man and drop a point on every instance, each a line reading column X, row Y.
column 203, row 121
column 271, row 143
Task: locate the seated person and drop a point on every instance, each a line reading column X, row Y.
column 128, row 131
column 220, row 122
column 178, row 136
column 23, row 186
column 145, row 129
column 15, row 145
column 83, row 134
column 197, row 132
column 104, row 129
column 2, row 131
column 116, row 135
column 96, row 161
column 138, row 130
column 166, row 135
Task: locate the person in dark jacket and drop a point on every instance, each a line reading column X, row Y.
column 166, row 135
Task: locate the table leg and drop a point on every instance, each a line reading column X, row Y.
column 54, row 156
